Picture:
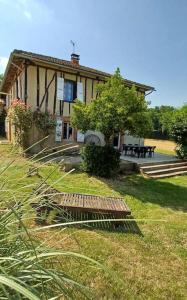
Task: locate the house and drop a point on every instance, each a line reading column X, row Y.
column 53, row 84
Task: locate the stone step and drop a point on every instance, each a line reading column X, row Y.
column 163, row 166
column 154, row 163
column 166, row 170
column 169, row 175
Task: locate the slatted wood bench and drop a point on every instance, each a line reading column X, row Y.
column 93, row 207
column 92, row 203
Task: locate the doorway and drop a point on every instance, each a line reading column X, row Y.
column 67, row 131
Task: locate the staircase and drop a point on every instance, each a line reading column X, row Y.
column 164, row 169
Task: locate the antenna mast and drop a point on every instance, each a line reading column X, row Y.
column 73, row 44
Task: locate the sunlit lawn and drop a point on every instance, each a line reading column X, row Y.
column 165, row 151
column 147, row 266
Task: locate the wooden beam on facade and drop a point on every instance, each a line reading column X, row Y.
column 38, row 87
column 25, row 84
column 85, row 90
column 46, row 90
column 47, row 93
column 55, row 94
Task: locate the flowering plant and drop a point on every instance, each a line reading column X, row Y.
column 21, row 116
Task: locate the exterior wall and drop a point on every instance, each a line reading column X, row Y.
column 129, row 139
column 38, row 78
column 46, row 75
column 31, row 85
column 34, row 93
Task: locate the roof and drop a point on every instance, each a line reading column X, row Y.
column 19, row 55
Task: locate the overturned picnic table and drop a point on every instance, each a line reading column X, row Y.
column 83, row 207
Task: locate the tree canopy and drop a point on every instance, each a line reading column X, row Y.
column 179, row 130
column 116, row 108
column 162, row 118
column 1, row 77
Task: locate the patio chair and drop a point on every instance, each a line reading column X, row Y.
column 153, row 150
column 149, row 150
column 124, row 149
column 130, row 149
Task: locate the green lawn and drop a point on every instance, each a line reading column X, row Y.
column 147, row 266
column 165, row 151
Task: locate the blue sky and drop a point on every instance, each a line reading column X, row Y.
column 146, row 39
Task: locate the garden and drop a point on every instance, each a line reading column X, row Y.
column 95, row 264
column 57, row 260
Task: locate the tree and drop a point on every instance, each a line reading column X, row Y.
column 116, row 108
column 162, row 119
column 1, row 77
column 179, row 131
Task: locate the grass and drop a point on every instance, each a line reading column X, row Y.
column 162, row 146
column 165, row 151
column 147, row 266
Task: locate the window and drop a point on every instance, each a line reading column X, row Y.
column 70, row 90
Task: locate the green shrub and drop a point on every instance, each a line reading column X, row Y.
column 179, row 133
column 44, row 121
column 100, row 161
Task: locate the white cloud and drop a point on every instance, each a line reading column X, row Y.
column 3, row 63
column 35, row 10
column 27, row 14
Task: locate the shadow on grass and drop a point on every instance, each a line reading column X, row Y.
column 127, row 226
column 83, row 219
column 160, row 192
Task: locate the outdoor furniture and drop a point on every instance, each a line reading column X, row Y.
column 139, row 151
column 153, row 150
column 127, row 149
column 79, row 207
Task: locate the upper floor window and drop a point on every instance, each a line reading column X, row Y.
column 70, row 90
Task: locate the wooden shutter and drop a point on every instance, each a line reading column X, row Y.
column 60, row 88
column 58, row 133
column 80, row 91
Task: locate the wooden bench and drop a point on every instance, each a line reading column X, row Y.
column 91, row 203
column 78, row 204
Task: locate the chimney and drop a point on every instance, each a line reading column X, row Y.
column 75, row 59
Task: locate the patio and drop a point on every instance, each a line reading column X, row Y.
column 158, row 157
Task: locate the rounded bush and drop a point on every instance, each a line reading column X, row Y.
column 101, row 161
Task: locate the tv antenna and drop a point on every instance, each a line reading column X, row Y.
column 73, row 44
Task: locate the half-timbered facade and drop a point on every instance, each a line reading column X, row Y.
column 53, row 84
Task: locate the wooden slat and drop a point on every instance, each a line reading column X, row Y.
column 91, row 203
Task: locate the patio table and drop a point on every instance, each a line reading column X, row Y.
column 139, row 150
